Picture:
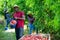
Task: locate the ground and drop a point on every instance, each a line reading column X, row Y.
column 9, row 34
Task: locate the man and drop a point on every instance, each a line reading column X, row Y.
column 7, row 18
column 31, row 21
column 19, row 17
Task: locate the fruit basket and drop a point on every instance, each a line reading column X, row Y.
column 36, row 37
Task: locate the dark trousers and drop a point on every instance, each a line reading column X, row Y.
column 31, row 28
column 7, row 22
column 19, row 33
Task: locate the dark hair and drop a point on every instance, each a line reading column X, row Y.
column 30, row 15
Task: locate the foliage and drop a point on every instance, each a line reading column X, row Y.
column 46, row 13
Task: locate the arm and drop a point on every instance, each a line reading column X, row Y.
column 23, row 17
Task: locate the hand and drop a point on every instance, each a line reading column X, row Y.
column 16, row 18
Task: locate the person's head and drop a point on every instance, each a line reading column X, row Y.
column 30, row 15
column 16, row 8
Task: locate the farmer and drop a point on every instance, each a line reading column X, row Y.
column 7, row 18
column 19, row 17
column 30, row 24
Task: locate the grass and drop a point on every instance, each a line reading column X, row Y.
column 8, row 35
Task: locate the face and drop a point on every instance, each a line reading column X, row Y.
column 16, row 9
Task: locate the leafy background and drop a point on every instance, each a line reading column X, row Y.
column 46, row 13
